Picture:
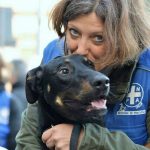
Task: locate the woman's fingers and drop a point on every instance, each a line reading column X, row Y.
column 58, row 137
column 46, row 135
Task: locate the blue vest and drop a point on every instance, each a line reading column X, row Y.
column 52, row 50
column 4, row 117
column 129, row 115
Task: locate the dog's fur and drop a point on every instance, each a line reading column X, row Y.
column 65, row 89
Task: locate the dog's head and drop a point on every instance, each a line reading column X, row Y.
column 71, row 86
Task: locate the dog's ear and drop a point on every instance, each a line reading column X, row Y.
column 33, row 84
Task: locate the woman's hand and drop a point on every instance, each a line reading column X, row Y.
column 58, row 137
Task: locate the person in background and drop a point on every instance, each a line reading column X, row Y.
column 19, row 102
column 5, row 100
column 18, row 75
column 114, row 35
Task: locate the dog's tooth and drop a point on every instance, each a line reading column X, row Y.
column 48, row 88
column 59, row 101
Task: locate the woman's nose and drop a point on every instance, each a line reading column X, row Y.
column 82, row 47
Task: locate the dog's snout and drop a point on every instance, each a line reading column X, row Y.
column 101, row 81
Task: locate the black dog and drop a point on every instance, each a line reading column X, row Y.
column 68, row 90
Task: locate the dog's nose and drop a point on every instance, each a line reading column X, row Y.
column 101, row 82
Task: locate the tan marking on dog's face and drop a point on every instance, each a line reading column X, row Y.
column 86, row 87
column 48, row 88
column 59, row 101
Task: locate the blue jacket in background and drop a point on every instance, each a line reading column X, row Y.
column 4, row 117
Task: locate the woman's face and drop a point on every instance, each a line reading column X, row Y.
column 84, row 36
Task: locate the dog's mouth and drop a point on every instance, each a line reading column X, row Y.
column 97, row 105
column 86, row 109
column 87, row 105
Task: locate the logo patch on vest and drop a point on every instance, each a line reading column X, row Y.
column 133, row 103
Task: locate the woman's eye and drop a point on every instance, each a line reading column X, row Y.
column 64, row 71
column 99, row 39
column 74, row 33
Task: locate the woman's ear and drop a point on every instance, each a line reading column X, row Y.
column 33, row 86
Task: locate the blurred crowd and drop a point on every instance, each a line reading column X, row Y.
column 12, row 100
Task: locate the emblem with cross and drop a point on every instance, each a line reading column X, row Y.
column 135, row 95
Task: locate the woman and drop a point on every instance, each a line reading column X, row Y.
column 112, row 34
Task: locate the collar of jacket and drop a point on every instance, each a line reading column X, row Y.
column 120, row 78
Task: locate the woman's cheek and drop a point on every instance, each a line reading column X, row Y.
column 71, row 44
column 98, row 51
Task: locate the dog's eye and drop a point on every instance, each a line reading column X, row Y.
column 64, row 71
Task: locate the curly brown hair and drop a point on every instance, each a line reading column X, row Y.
column 126, row 26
